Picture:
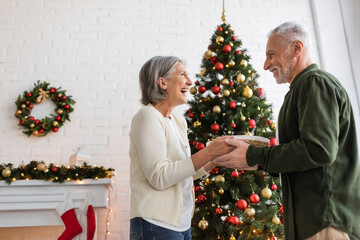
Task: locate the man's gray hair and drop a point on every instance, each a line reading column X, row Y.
column 151, row 71
column 290, row 32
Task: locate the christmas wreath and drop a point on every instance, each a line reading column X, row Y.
column 52, row 172
column 41, row 92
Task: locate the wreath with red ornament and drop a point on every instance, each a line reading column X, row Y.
column 41, row 92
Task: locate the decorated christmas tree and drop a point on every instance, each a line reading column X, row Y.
column 227, row 100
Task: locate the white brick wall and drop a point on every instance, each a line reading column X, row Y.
column 94, row 50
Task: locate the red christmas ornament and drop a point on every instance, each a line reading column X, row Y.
column 241, row 172
column 215, row 170
column 63, row 97
column 202, row 115
column 218, row 211
column 220, row 29
column 55, row 129
column 231, row 83
column 197, row 82
column 41, row 131
column 273, row 187
column 273, row 142
column 254, row 198
column 273, row 238
column 219, row 66
column 226, row 48
column 213, row 60
column 233, row 125
column 234, row 220
column 58, row 118
column 31, row 106
column 201, row 89
column 268, row 122
column 232, row 104
column 190, row 115
column 27, row 102
column 281, row 210
column 202, row 198
column 51, row 90
column 235, row 174
column 199, row 146
column 238, row 52
column 241, row 204
column 21, row 122
column 66, row 106
column 28, row 94
column 31, row 118
column 252, row 123
column 194, row 143
column 197, row 189
column 37, row 121
column 54, row 169
column 216, row 89
column 215, row 127
column 234, row 38
column 260, row 92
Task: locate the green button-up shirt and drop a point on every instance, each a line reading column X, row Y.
column 317, row 157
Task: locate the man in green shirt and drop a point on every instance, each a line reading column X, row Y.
column 317, row 155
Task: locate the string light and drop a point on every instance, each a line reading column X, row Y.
column 107, row 220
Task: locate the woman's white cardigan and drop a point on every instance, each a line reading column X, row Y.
column 156, row 168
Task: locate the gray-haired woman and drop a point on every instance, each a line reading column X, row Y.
column 162, row 169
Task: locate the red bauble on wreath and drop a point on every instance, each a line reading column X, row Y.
column 41, row 92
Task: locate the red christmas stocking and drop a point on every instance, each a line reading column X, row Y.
column 72, row 226
column 91, row 223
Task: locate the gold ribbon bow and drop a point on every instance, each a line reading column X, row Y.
column 42, row 95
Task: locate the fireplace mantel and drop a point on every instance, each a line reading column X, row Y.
column 26, row 203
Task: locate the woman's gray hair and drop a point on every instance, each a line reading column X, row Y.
column 290, row 32
column 151, row 71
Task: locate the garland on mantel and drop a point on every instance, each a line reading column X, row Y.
column 52, row 172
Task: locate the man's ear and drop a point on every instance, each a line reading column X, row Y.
column 162, row 83
column 298, row 48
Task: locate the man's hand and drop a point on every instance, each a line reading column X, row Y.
column 237, row 157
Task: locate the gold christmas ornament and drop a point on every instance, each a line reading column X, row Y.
column 232, row 238
column 32, row 125
column 221, row 191
column 216, row 109
column 240, row 78
column 266, row 193
column 18, row 112
column 203, row 224
column 41, row 167
column 208, row 54
column 247, row 92
column 275, row 220
column 258, row 108
column 59, row 111
column 226, row 93
column 225, row 81
column 6, row 172
column 229, row 132
column 219, row 39
column 248, row 133
column 35, row 133
column 219, row 179
column 202, row 72
column 250, row 212
column 243, row 105
column 207, row 180
column 231, row 44
column 197, row 123
column 23, row 106
column 242, row 118
column 272, row 125
column 193, row 90
column 38, row 100
column 109, row 174
column 244, row 63
column 55, row 123
column 231, row 63
column 226, row 32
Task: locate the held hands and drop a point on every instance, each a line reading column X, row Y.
column 237, row 157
